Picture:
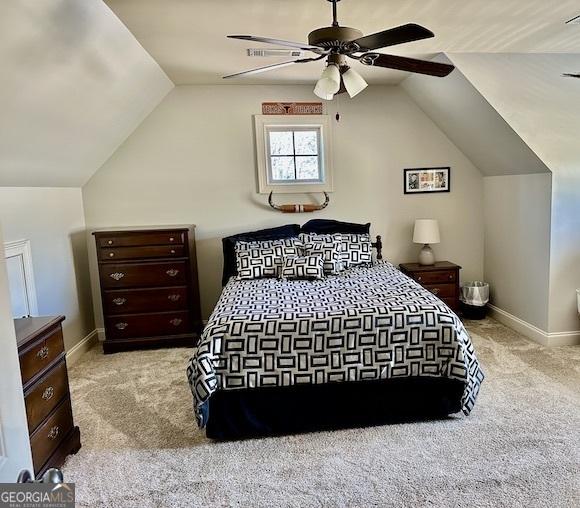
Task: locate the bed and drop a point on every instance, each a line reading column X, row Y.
column 365, row 346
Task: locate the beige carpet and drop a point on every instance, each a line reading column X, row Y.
column 519, row 448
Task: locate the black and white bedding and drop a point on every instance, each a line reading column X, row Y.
column 366, row 323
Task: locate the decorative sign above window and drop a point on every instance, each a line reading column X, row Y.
column 292, row 108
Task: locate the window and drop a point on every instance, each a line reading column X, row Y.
column 293, row 153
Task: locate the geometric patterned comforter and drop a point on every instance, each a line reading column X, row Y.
column 368, row 322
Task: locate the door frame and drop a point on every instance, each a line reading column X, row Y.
column 15, row 454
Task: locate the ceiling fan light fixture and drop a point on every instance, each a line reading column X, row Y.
column 353, row 82
column 320, row 90
column 329, row 83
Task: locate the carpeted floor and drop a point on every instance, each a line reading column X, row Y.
column 519, row 448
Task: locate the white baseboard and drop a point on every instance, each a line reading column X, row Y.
column 81, row 347
column 533, row 332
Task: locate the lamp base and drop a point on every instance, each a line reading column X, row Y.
column 426, row 256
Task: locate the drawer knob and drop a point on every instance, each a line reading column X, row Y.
column 176, row 321
column 42, row 352
column 435, row 291
column 172, row 251
column 110, row 242
column 172, row 272
column 121, row 326
column 117, row 275
column 111, row 254
column 48, row 393
column 451, row 277
column 419, row 278
column 174, row 298
column 54, row 432
column 171, row 239
column 119, row 301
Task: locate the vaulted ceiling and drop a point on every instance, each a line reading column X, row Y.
column 188, row 37
column 74, row 83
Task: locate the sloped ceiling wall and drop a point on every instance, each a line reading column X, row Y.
column 543, row 108
column 74, row 83
column 466, row 117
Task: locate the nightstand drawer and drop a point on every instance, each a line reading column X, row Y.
column 36, row 359
column 49, row 435
column 44, row 396
column 442, row 290
column 435, row 277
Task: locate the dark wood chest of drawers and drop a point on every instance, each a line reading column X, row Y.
column 149, row 287
column 53, row 434
column 442, row 279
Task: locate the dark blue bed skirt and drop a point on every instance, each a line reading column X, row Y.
column 234, row 414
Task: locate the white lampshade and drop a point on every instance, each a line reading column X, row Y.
column 353, row 82
column 426, row 231
column 320, row 91
column 329, row 83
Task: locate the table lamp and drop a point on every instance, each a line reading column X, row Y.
column 426, row 232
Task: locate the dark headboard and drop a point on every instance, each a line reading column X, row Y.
column 320, row 226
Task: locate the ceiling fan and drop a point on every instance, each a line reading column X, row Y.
column 337, row 43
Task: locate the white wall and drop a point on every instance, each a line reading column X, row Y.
column 517, row 244
column 52, row 219
column 74, row 83
column 192, row 161
column 544, row 109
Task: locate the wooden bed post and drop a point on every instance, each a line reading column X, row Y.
column 379, row 246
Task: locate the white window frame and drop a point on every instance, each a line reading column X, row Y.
column 321, row 122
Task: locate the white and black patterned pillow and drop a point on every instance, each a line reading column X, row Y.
column 356, row 249
column 257, row 260
column 305, row 267
column 329, row 246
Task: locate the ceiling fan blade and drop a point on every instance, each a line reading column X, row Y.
column 262, row 69
column 571, row 75
column 406, row 64
column 278, row 42
column 399, row 35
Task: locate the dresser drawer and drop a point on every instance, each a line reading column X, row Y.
column 435, row 277
column 145, row 252
column 442, row 290
column 145, row 238
column 147, row 325
column 131, row 301
column 42, row 398
column 41, row 355
column 50, row 434
column 143, row 274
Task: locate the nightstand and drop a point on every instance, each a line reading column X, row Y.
column 442, row 279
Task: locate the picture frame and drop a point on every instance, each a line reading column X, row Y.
column 426, row 180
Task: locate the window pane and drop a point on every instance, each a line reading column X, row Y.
column 282, row 168
column 281, row 143
column 306, row 142
column 307, row 168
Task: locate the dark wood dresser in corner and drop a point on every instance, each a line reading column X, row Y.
column 53, row 434
column 442, row 279
column 149, row 287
